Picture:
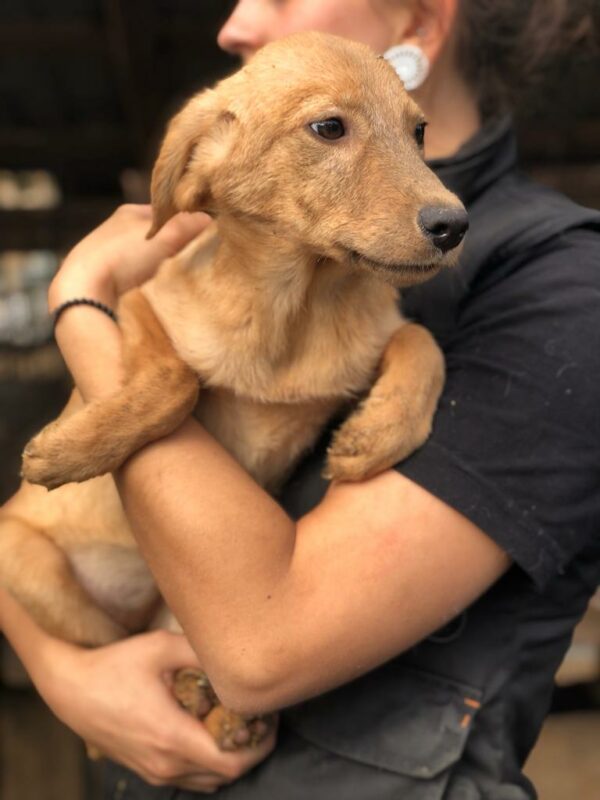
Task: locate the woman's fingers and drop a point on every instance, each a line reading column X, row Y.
column 228, row 765
column 136, row 258
column 180, row 230
column 172, row 651
column 186, row 745
column 117, row 255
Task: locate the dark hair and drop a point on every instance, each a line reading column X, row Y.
column 504, row 46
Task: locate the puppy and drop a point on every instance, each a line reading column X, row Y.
column 310, row 162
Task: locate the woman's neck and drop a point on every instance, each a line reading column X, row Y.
column 451, row 111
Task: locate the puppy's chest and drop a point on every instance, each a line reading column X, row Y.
column 267, row 439
column 272, row 379
column 313, row 335
column 268, row 360
column 268, row 414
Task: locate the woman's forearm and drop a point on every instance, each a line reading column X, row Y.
column 90, row 343
column 220, row 547
column 88, row 339
column 28, row 640
column 217, row 543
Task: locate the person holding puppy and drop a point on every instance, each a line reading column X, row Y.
column 410, row 625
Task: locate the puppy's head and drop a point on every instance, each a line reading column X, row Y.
column 316, row 140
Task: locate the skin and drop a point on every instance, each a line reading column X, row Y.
column 271, row 631
column 448, row 103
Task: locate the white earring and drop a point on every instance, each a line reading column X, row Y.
column 411, row 64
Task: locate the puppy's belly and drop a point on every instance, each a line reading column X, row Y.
column 118, row 580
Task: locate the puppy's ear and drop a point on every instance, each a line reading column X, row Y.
column 194, row 144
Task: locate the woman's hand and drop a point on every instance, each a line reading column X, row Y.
column 116, row 256
column 113, row 258
column 117, row 698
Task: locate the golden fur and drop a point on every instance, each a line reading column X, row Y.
column 285, row 309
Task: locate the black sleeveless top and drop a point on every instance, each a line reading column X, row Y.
column 516, row 449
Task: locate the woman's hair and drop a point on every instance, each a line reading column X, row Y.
column 504, row 46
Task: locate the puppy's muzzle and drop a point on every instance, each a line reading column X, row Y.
column 445, row 226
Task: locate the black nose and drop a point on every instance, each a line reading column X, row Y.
column 446, row 227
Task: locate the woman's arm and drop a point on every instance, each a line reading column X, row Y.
column 115, row 257
column 278, row 611
column 96, row 691
column 117, row 698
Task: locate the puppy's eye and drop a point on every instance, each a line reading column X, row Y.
column 420, row 133
column 329, row 128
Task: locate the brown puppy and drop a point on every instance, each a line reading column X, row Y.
column 309, row 159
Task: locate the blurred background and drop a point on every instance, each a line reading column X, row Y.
column 85, row 89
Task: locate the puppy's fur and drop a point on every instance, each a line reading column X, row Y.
column 284, row 308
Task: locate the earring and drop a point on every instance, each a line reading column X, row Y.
column 411, row 64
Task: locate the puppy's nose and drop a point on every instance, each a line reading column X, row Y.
column 445, row 226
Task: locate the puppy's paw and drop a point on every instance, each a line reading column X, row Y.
column 372, row 440
column 193, row 692
column 49, row 460
column 73, row 450
column 353, row 454
column 231, row 731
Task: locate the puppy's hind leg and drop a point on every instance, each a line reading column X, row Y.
column 396, row 416
column 158, row 393
column 38, row 574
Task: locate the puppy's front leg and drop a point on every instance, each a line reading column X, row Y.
column 396, row 416
column 158, row 393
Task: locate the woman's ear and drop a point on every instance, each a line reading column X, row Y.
column 430, row 26
column 195, row 143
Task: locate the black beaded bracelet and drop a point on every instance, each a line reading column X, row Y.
column 84, row 301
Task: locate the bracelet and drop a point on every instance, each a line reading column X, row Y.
column 83, row 301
